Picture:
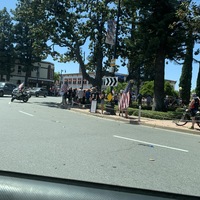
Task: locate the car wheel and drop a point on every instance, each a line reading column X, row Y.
column 37, row 95
column 1, row 93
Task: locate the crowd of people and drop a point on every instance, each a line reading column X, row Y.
column 84, row 97
column 80, row 96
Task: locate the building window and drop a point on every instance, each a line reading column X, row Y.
column 74, row 80
column 19, row 70
column 79, row 80
column 69, row 81
column 84, row 81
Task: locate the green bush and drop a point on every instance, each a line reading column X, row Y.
column 170, row 115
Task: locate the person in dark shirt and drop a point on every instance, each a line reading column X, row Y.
column 193, row 107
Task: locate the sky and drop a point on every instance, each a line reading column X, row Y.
column 172, row 70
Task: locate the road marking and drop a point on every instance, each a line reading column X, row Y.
column 26, row 113
column 158, row 145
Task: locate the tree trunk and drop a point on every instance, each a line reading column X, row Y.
column 159, row 80
column 198, row 82
column 186, row 75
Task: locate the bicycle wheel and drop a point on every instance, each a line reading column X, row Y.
column 183, row 120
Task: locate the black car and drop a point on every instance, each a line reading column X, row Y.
column 39, row 92
column 6, row 88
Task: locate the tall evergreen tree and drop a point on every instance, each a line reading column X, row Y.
column 158, row 28
column 197, row 90
column 29, row 49
column 186, row 75
column 188, row 14
column 7, row 54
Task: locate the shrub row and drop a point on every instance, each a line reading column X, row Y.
column 169, row 115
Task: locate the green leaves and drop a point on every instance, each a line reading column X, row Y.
column 7, row 53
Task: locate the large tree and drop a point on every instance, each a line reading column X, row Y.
column 76, row 26
column 7, row 54
column 188, row 14
column 29, row 48
column 160, row 36
column 139, row 68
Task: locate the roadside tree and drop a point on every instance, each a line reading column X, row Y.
column 77, row 26
column 7, row 53
column 157, row 39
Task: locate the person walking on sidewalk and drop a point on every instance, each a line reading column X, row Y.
column 102, row 101
column 193, row 107
column 64, row 90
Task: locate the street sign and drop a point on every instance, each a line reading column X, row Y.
column 111, row 81
column 109, row 97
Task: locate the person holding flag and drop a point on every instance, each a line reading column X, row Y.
column 125, row 99
column 21, row 87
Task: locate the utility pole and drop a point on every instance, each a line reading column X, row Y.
column 110, row 106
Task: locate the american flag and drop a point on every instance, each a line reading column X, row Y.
column 21, row 86
column 125, row 98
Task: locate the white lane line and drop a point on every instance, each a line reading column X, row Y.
column 26, row 113
column 158, row 145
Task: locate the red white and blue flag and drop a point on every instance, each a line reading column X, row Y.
column 20, row 87
column 125, row 98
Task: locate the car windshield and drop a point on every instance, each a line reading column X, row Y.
column 105, row 91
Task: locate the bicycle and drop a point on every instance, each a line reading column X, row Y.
column 186, row 117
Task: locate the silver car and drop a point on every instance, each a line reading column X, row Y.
column 39, row 92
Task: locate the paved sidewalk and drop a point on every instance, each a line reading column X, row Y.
column 166, row 124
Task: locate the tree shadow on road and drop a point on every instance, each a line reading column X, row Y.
column 48, row 104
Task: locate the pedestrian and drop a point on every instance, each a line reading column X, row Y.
column 166, row 102
column 69, row 95
column 102, row 101
column 93, row 95
column 193, row 107
column 87, row 96
column 149, row 100
column 63, row 92
column 80, row 94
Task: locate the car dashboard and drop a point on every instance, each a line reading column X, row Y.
column 19, row 186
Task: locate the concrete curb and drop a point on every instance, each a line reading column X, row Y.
column 184, row 130
column 143, row 121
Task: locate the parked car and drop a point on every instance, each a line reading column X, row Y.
column 39, row 92
column 6, row 88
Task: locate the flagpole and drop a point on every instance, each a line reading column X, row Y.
column 115, row 47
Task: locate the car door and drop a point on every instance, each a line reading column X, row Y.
column 7, row 89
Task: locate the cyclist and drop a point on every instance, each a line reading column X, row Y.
column 193, row 107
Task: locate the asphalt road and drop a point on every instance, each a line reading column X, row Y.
column 37, row 137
